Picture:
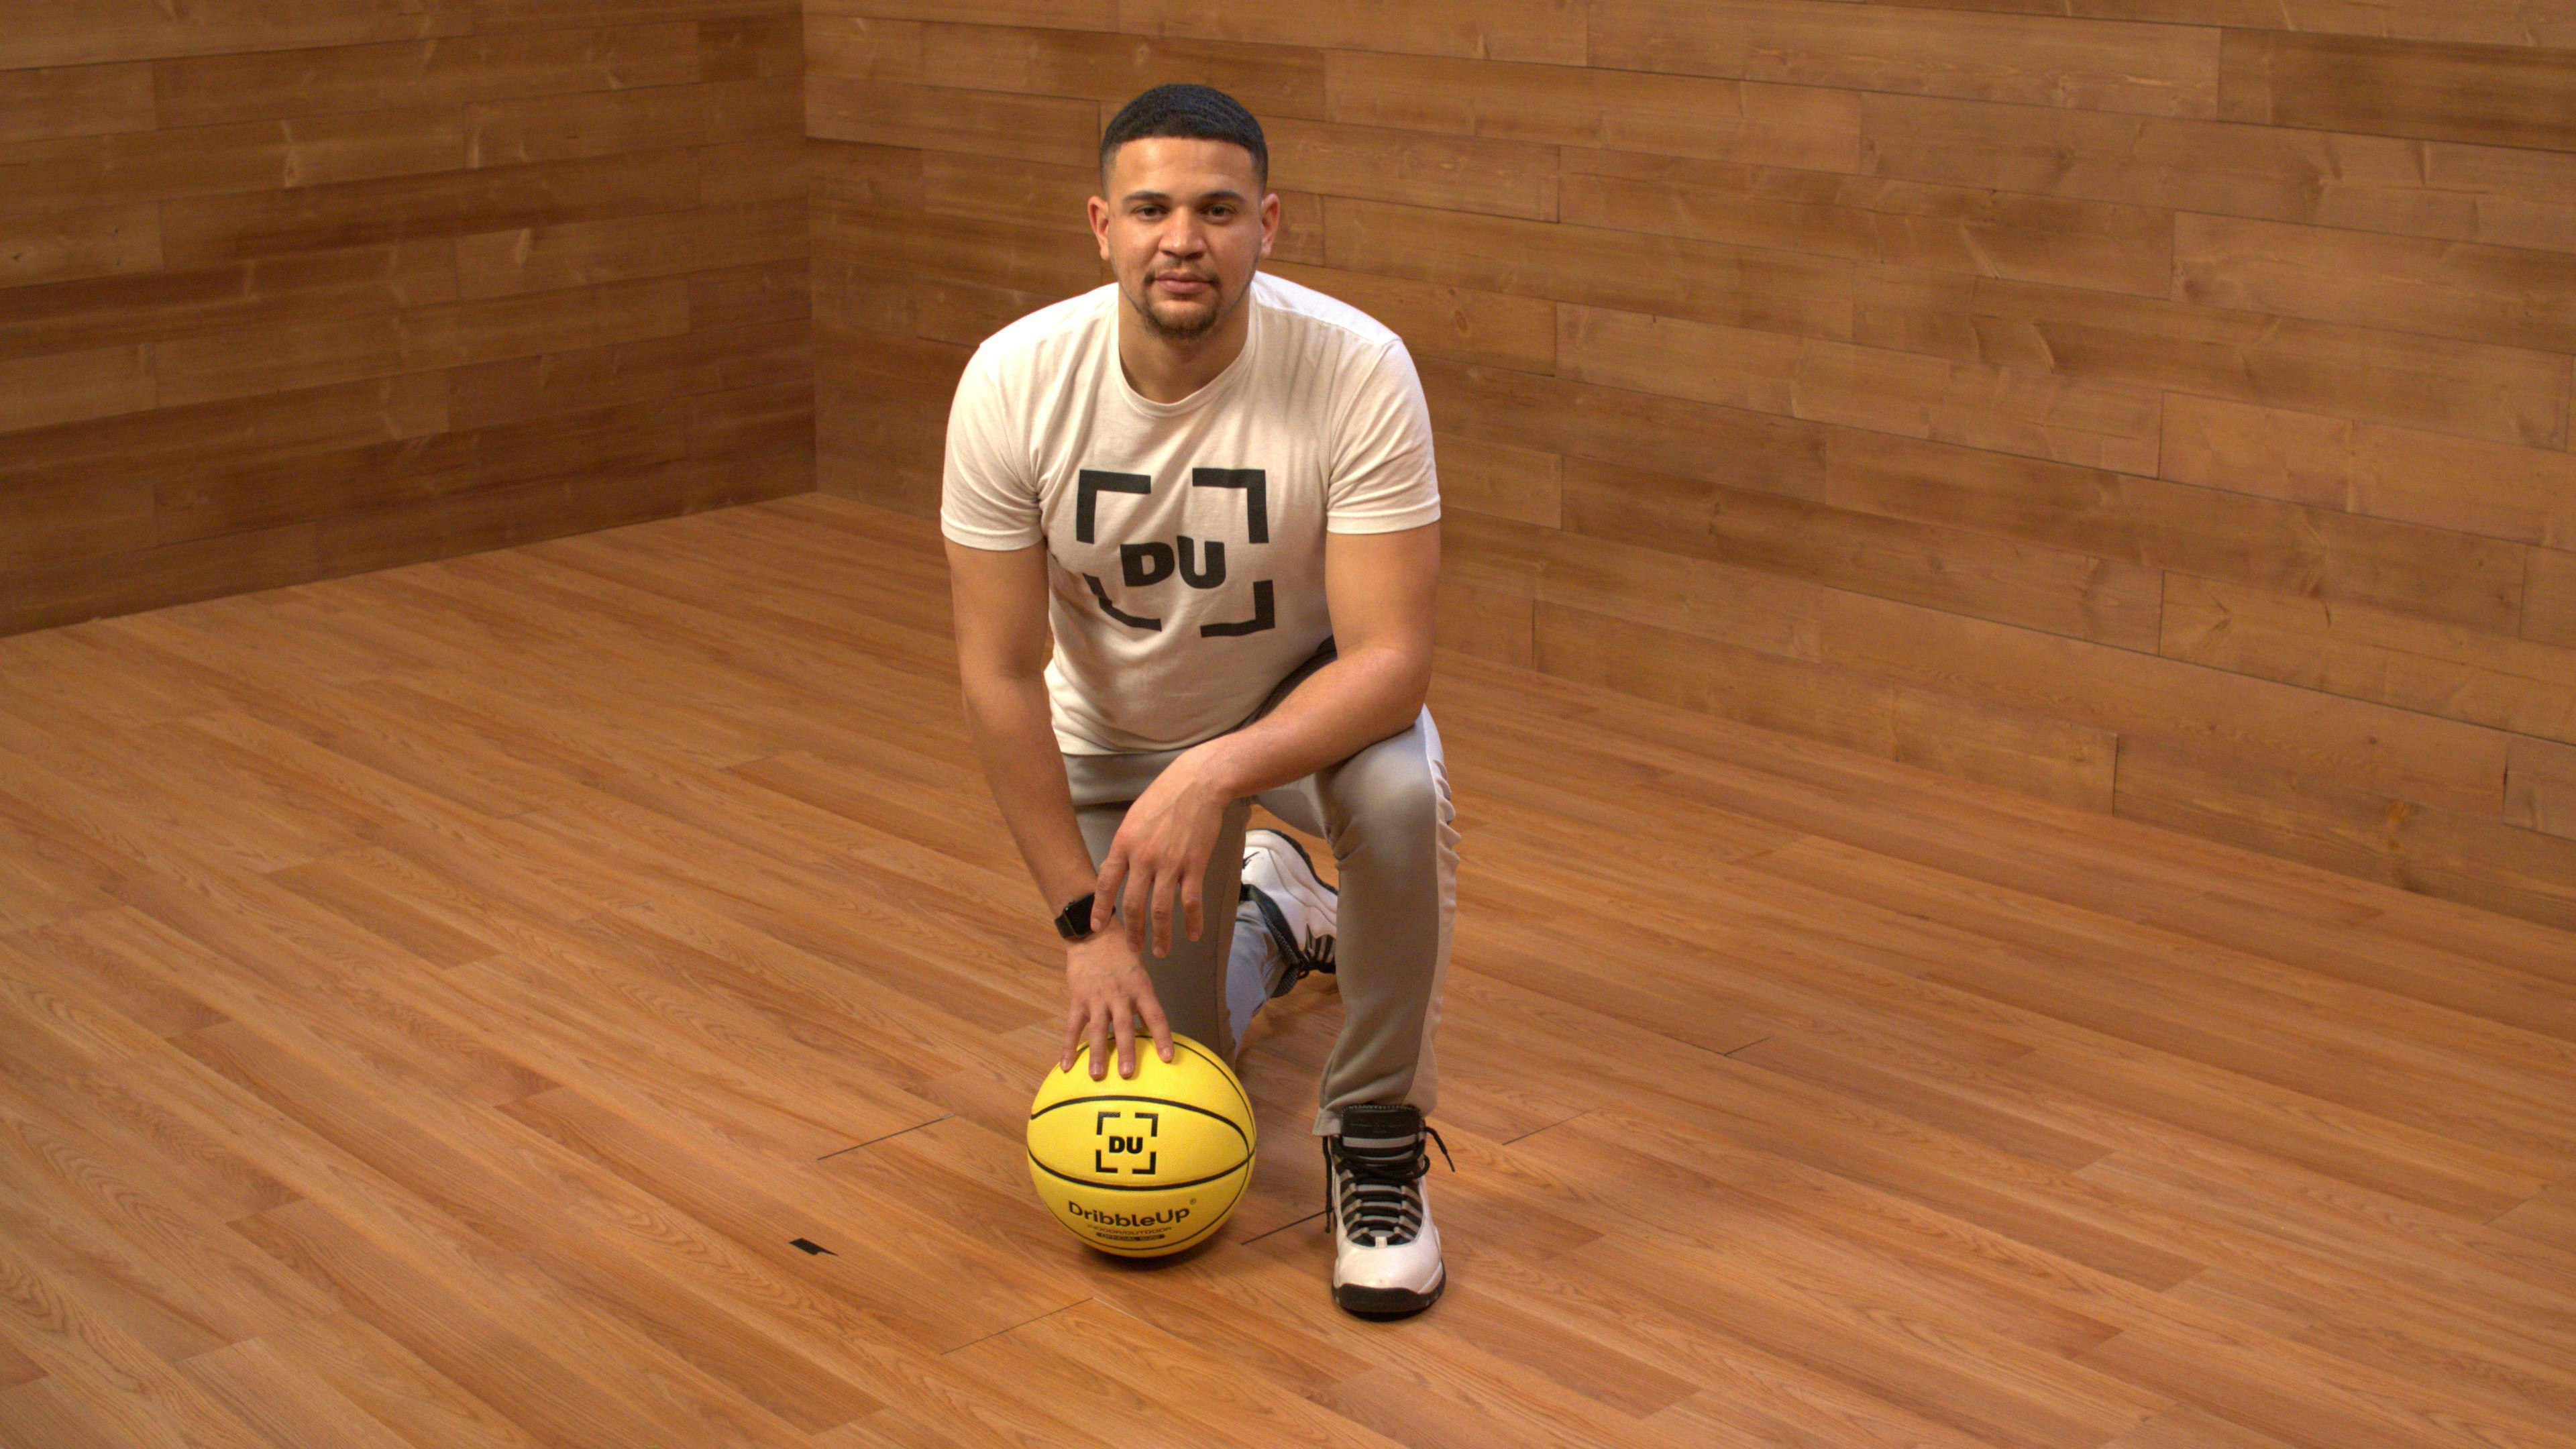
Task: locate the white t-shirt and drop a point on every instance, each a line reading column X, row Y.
column 1185, row 541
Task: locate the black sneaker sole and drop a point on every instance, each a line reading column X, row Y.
column 1366, row 1302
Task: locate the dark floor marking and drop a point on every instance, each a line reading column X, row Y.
column 889, row 1137
column 1283, row 1227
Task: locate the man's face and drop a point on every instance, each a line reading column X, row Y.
column 1182, row 224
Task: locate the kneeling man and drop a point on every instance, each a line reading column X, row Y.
column 1213, row 491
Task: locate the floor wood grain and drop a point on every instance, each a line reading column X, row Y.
column 434, row 1003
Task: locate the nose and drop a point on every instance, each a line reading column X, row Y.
column 1182, row 235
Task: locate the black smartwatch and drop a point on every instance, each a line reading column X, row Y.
column 1074, row 922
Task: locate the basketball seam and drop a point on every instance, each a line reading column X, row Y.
column 1161, row 1249
column 1213, row 1224
column 1137, row 1186
column 1158, row 1101
column 1224, row 1072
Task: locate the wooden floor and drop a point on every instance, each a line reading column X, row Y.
column 433, row 1004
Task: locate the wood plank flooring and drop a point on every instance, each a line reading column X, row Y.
column 434, row 1003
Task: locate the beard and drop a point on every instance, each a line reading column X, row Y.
column 1188, row 326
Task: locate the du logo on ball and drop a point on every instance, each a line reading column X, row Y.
column 1111, row 1144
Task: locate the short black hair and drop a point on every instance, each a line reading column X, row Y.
column 1200, row 113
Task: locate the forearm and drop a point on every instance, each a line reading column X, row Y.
column 1355, row 701
column 1107, row 988
column 1014, row 737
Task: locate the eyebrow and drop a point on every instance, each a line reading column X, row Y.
column 1227, row 194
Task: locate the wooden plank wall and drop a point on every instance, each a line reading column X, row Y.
column 298, row 288
column 2157, row 405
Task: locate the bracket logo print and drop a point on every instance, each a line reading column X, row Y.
column 1199, row 564
column 1125, row 1143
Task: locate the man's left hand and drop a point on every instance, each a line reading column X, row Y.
column 1159, row 858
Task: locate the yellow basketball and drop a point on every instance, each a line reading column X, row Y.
column 1144, row 1165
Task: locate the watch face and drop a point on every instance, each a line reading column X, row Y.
column 1075, row 922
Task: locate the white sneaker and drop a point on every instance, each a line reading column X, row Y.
column 1386, row 1253
column 1293, row 904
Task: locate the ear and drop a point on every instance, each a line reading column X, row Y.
column 1269, row 222
column 1098, row 210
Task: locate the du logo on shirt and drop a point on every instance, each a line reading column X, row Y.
column 1199, row 564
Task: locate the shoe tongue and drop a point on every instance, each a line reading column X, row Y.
column 1375, row 1124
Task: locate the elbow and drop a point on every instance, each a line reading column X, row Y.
column 1417, row 685
column 1417, row 654
column 1408, row 674
column 985, row 684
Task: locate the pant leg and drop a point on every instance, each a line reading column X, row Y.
column 1190, row 982
column 1388, row 814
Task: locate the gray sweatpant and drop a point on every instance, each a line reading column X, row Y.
column 1387, row 813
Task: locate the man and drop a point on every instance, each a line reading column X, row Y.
column 1214, row 489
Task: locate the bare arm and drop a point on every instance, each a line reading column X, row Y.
column 999, row 600
column 1379, row 587
column 1001, row 624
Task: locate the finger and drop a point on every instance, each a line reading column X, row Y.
column 1164, row 883
column 1126, row 1041
column 1155, row 1023
column 1072, row 1037
column 1099, row 1044
column 1193, row 888
column 1104, row 890
column 1132, row 905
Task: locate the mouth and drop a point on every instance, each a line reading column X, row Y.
column 1182, row 284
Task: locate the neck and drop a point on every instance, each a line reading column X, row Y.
column 1164, row 370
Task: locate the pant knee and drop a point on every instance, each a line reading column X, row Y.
column 1389, row 799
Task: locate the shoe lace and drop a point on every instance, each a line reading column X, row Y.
column 1381, row 1188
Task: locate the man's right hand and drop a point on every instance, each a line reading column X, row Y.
column 1106, row 990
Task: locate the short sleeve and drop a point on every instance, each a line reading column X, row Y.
column 987, row 499
column 1383, row 480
